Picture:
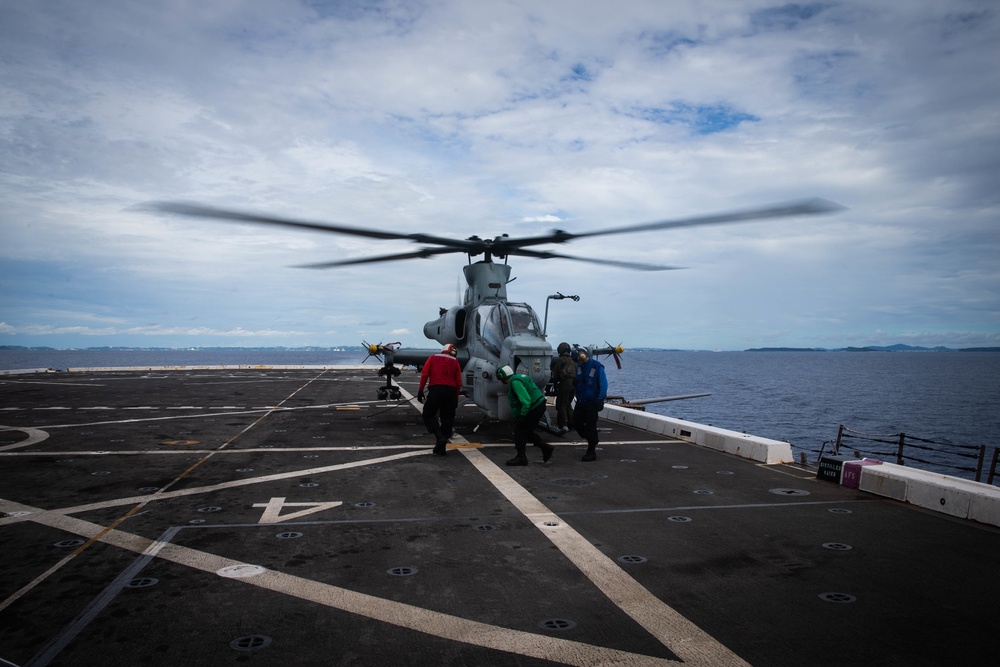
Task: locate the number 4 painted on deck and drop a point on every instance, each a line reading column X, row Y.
column 272, row 509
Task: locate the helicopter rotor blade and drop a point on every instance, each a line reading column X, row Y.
column 814, row 206
column 418, row 254
column 201, row 211
column 592, row 260
column 502, row 246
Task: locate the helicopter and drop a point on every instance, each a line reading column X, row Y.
column 489, row 330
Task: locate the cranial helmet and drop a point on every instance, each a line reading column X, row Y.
column 577, row 353
column 505, row 373
column 563, row 348
column 449, row 349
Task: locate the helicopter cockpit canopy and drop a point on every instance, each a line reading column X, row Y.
column 498, row 321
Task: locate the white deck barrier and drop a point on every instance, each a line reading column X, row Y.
column 752, row 447
column 942, row 493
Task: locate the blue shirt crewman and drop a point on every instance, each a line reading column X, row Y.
column 591, row 389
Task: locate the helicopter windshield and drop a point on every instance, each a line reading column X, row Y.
column 522, row 318
column 496, row 322
column 493, row 326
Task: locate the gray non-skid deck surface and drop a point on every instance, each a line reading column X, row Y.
column 285, row 517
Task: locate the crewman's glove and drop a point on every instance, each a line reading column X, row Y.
column 420, row 395
column 600, row 405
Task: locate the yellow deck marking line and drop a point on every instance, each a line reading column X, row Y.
column 685, row 639
column 142, row 502
column 681, row 636
column 404, row 615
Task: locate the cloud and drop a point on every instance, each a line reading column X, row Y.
column 460, row 119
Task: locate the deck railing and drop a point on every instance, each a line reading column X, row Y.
column 901, row 441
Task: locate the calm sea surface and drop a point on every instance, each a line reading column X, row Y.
column 951, row 398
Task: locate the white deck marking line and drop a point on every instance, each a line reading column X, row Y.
column 135, row 500
column 35, row 435
column 60, row 641
column 272, row 509
column 143, row 501
column 248, row 411
column 685, row 639
column 681, row 636
column 404, row 615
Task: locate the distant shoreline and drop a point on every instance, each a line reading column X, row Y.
column 359, row 348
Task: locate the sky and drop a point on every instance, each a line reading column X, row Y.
column 518, row 117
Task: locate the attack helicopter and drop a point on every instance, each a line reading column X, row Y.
column 489, row 330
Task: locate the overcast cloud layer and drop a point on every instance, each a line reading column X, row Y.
column 518, row 117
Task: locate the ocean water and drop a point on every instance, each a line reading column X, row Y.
column 950, row 398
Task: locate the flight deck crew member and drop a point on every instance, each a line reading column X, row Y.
column 443, row 375
column 563, row 376
column 527, row 403
column 591, row 390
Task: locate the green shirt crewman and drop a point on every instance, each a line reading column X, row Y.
column 527, row 404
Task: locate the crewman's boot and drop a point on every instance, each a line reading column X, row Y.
column 520, row 459
column 440, row 445
column 591, row 454
column 547, row 450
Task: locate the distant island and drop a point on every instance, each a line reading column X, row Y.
column 876, row 348
column 360, row 348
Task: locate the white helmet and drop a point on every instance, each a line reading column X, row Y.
column 505, row 373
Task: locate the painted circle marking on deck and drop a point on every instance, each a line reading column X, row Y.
column 839, row 510
column 209, row 509
column 679, row 467
column 289, row 536
column 837, row 597
column 35, row 435
column 484, row 528
column 680, row 519
column 241, row 571
column 837, row 546
column 402, row 571
column 703, row 492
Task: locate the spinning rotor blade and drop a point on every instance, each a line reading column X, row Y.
column 501, row 246
column 610, row 262
column 806, row 207
column 199, row 211
column 418, row 254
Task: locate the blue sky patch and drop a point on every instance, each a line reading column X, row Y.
column 701, row 118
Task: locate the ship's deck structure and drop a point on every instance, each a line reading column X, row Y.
column 285, row 517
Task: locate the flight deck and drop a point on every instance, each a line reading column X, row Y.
column 284, row 516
